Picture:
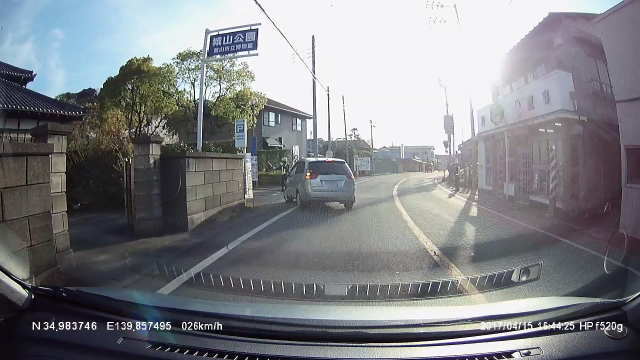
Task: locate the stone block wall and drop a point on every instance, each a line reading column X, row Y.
column 198, row 185
column 26, row 220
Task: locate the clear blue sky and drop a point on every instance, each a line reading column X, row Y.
column 75, row 44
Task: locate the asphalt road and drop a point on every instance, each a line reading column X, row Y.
column 375, row 243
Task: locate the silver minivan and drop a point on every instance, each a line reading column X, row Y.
column 321, row 180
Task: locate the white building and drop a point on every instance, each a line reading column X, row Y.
column 619, row 29
column 554, row 104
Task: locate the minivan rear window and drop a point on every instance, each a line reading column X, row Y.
column 329, row 168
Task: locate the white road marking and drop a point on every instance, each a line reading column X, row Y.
column 432, row 249
column 175, row 283
column 557, row 237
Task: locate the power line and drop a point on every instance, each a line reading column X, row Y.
column 289, row 42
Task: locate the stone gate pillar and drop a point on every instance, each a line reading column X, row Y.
column 56, row 134
column 147, row 196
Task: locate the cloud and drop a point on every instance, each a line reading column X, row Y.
column 19, row 45
column 17, row 42
column 56, row 74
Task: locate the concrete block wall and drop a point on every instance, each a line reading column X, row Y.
column 206, row 183
column 26, row 222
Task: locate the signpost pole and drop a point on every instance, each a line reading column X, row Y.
column 224, row 46
column 315, row 118
column 201, row 100
column 346, row 140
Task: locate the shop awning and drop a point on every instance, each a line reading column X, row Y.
column 272, row 142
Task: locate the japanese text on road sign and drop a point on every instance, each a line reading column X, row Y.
column 233, row 42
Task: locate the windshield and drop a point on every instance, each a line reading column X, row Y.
column 329, row 168
column 487, row 151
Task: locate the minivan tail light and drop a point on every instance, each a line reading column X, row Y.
column 310, row 175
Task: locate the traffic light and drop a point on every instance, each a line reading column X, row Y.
column 446, row 145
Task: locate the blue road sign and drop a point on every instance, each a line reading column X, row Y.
column 233, row 42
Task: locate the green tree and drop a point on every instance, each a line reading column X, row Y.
column 97, row 147
column 228, row 94
column 141, row 96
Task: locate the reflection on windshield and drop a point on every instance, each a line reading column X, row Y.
column 491, row 162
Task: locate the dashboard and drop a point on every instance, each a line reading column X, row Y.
column 54, row 329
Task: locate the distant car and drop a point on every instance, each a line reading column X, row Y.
column 320, row 180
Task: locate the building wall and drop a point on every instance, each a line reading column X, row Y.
column 618, row 29
column 482, row 184
column 425, row 153
column 284, row 130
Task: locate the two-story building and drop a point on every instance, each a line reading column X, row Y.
column 618, row 29
column 551, row 132
column 280, row 126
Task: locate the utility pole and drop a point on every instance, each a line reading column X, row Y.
column 346, row 141
column 315, row 116
column 329, row 122
column 446, row 104
column 371, row 126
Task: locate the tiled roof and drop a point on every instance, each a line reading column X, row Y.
column 15, row 74
column 15, row 98
column 280, row 106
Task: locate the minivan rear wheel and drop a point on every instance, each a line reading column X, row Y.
column 349, row 204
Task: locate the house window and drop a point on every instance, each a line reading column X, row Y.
column 296, row 124
column 530, row 103
column 633, row 165
column 269, row 118
column 546, row 97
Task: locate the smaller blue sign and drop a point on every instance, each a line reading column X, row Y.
column 233, row 42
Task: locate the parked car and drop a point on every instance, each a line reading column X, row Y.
column 320, row 180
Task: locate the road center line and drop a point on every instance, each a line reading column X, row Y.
column 175, row 283
column 432, row 249
column 557, row 237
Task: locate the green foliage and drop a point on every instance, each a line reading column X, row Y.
column 179, row 148
column 96, row 149
column 227, row 90
column 143, row 99
column 243, row 104
column 141, row 96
